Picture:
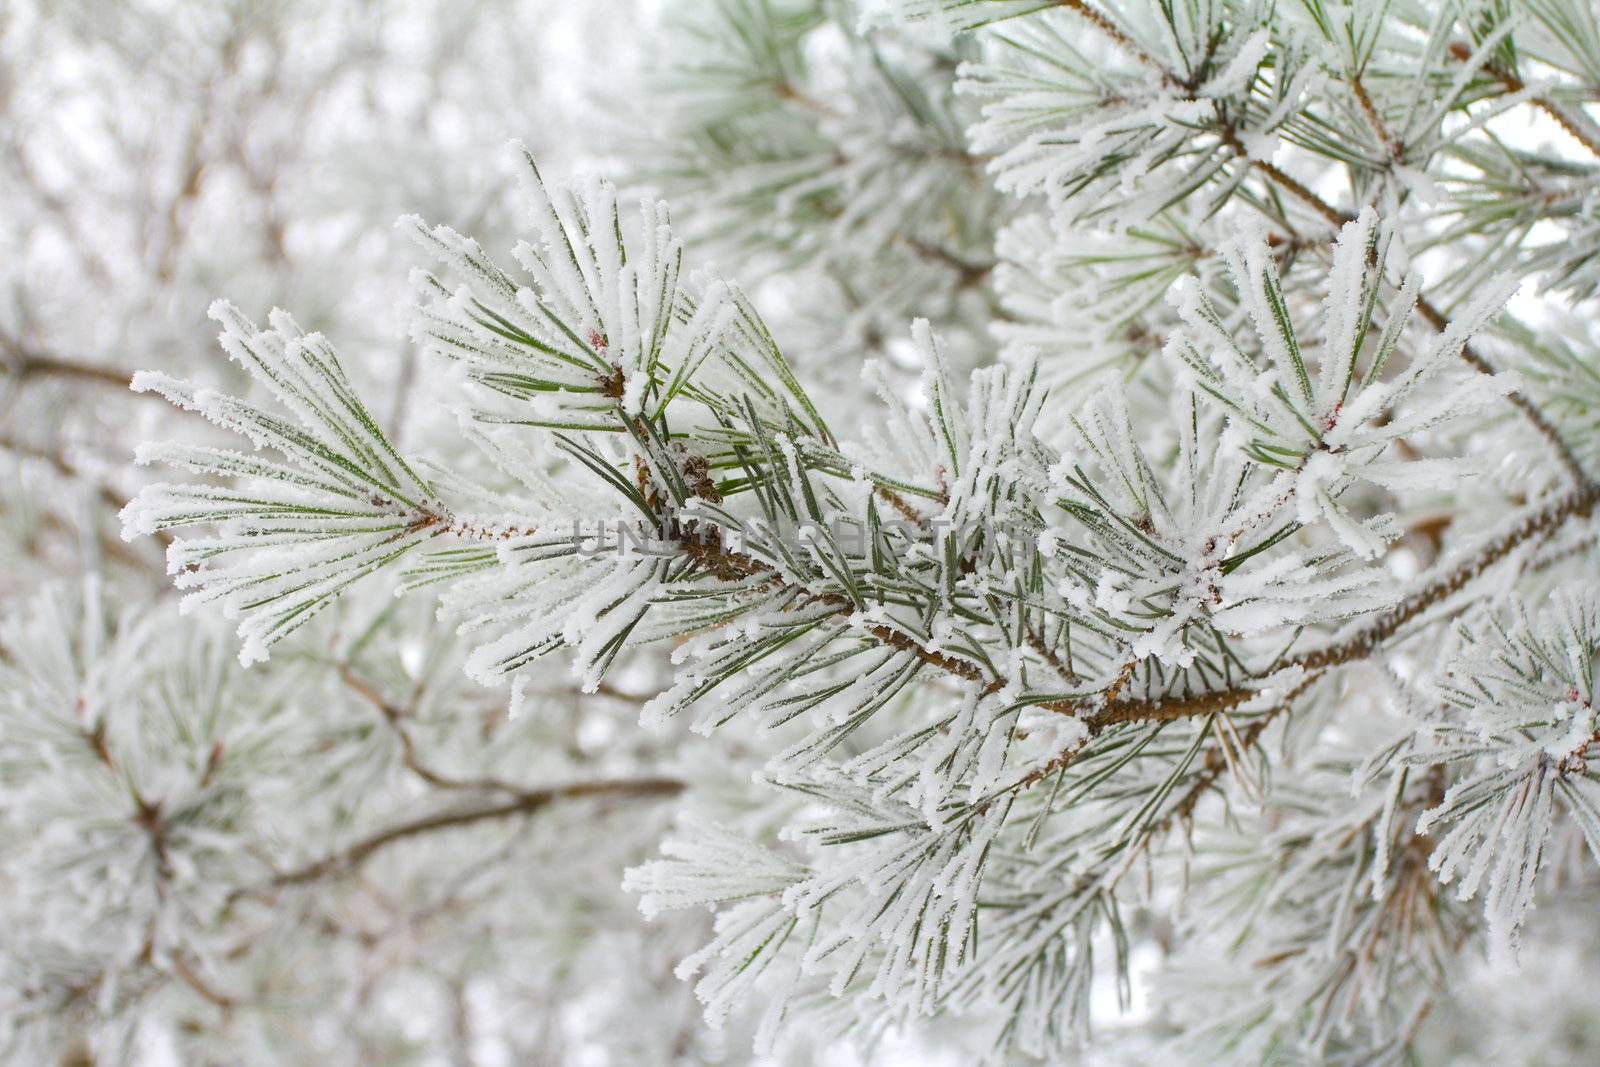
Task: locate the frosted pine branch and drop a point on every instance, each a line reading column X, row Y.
column 1115, row 531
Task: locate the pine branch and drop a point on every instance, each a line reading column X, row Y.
column 1105, row 709
column 1336, row 218
column 1437, row 320
column 1161, row 572
column 1371, row 638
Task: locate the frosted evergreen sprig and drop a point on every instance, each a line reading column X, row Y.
column 1000, row 653
column 1519, row 723
column 340, row 504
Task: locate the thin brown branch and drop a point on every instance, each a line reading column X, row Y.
column 1215, row 764
column 971, row 273
column 1048, row 654
column 735, row 567
column 67, row 469
column 606, row 689
column 790, row 93
column 1117, row 712
column 1530, row 411
column 1391, row 144
column 193, row 170
column 526, row 803
column 900, row 504
column 1117, row 36
column 1514, row 84
column 1295, row 188
column 1578, row 134
column 1537, row 523
column 1368, row 640
column 1430, row 313
column 24, row 362
column 393, row 716
column 186, row 974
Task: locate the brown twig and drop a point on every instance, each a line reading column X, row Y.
column 67, row 469
column 1514, row 84
column 1114, row 33
column 1369, row 111
column 25, row 362
column 732, row 566
column 971, row 272
column 394, row 716
column 1530, row 411
column 525, row 803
